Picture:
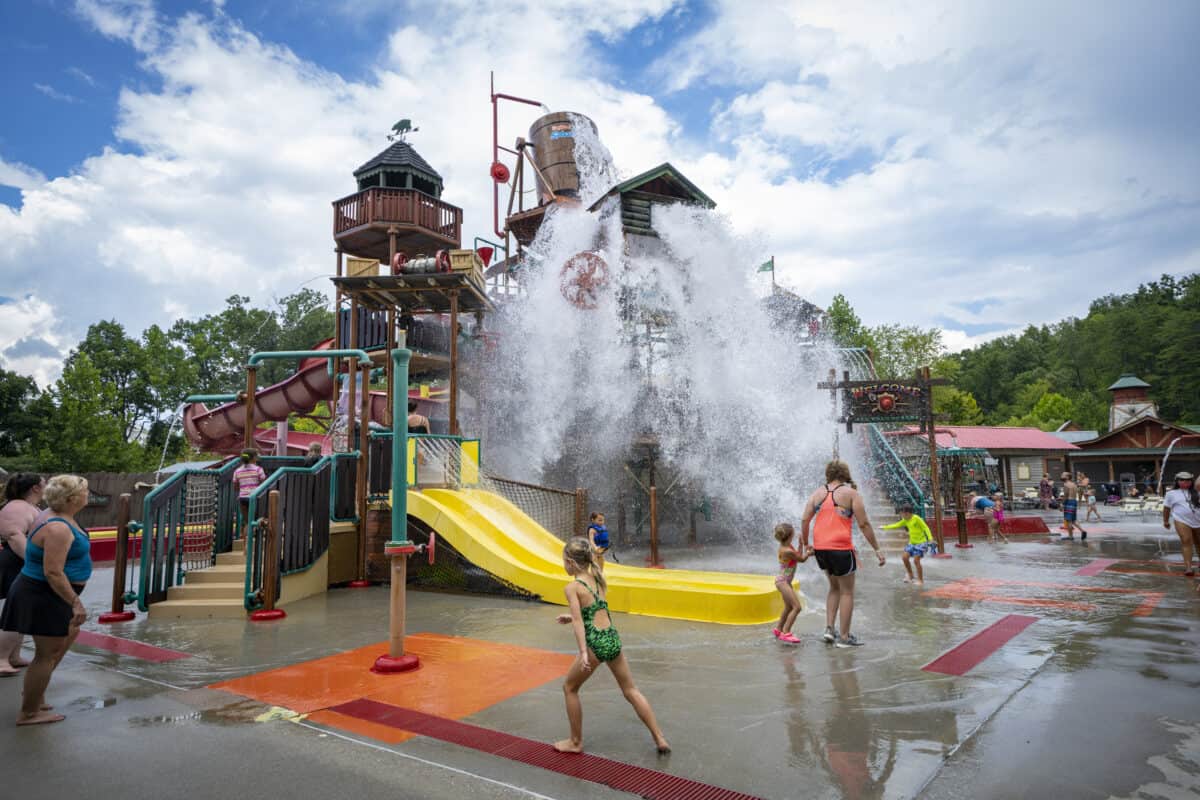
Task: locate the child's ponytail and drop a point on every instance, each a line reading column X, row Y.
column 579, row 551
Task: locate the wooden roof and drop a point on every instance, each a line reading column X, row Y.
column 1141, row 433
column 418, row 293
column 664, row 181
column 399, row 154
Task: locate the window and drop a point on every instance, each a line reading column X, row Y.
column 1022, row 472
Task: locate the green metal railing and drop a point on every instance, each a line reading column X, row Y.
column 306, row 497
column 892, row 473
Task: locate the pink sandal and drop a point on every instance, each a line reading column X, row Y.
column 789, row 638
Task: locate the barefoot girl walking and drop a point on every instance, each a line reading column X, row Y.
column 789, row 557
column 599, row 643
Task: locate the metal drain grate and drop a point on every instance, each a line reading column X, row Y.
column 640, row 781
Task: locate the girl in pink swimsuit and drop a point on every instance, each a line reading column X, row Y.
column 789, row 557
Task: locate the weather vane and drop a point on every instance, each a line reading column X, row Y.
column 401, row 129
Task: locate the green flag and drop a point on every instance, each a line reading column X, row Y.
column 767, row 266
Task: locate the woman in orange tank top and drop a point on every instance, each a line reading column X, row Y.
column 832, row 511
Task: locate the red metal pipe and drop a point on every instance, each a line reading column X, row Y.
column 496, row 145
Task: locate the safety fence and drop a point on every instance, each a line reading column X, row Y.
column 343, row 482
column 892, row 473
column 186, row 521
column 178, row 530
column 557, row 510
column 303, row 535
column 433, row 461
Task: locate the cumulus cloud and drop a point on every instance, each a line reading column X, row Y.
column 934, row 154
column 223, row 176
column 955, row 164
column 20, row 176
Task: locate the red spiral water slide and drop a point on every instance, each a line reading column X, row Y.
column 220, row 430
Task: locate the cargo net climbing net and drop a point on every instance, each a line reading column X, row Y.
column 553, row 509
column 199, row 520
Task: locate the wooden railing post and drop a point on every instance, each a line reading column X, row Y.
column 270, row 570
column 251, row 385
column 117, row 612
column 581, row 514
column 654, row 562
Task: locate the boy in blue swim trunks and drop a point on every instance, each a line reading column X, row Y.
column 1070, row 507
column 920, row 541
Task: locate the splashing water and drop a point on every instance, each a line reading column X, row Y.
column 679, row 348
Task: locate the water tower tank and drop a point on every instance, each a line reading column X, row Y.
column 553, row 140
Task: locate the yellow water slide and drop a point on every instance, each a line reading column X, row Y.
column 498, row 537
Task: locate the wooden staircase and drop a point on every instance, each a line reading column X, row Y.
column 217, row 592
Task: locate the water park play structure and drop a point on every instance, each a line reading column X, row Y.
column 409, row 302
column 608, row 340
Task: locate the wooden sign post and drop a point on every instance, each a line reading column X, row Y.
column 889, row 401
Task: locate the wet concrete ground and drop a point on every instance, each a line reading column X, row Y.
column 1097, row 698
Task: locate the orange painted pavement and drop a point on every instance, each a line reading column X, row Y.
column 457, row 677
column 981, row 590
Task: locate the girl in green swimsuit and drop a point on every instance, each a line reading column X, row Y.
column 598, row 642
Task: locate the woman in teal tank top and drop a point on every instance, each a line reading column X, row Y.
column 598, row 642
column 44, row 600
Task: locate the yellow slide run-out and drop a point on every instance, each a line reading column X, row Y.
column 498, row 537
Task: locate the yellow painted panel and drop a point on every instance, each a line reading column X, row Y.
column 469, row 471
column 412, row 461
column 498, row 537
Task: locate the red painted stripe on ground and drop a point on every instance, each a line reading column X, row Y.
column 1096, row 566
column 966, row 656
column 128, row 647
column 624, row 777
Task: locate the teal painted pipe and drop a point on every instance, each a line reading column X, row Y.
column 361, row 355
column 400, row 359
column 210, row 398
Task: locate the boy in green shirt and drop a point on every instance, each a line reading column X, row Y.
column 920, row 541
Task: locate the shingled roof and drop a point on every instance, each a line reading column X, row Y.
column 399, row 154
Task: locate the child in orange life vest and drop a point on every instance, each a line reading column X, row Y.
column 789, row 557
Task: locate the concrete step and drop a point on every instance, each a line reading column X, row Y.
column 207, row 591
column 239, row 545
column 222, row 573
column 198, row 609
column 224, row 559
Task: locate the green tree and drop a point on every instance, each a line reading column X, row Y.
column 843, row 324
column 900, row 350
column 305, row 320
column 221, row 344
column 121, row 364
column 83, row 435
column 23, row 412
column 956, row 407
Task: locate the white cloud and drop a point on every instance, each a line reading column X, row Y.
column 55, row 94
column 224, row 175
column 133, row 21
column 20, row 176
column 81, row 75
column 910, row 157
column 28, row 319
column 916, row 154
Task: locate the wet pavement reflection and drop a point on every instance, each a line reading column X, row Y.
column 1097, row 698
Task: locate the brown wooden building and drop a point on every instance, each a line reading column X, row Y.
column 1132, row 452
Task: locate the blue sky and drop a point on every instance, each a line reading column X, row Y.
column 977, row 166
